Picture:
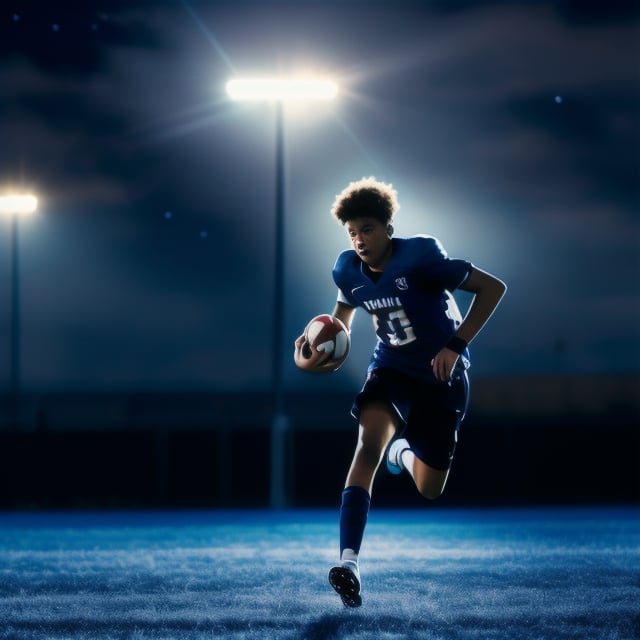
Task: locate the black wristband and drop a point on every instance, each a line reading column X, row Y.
column 457, row 344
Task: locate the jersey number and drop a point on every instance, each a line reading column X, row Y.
column 400, row 329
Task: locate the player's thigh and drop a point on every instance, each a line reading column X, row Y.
column 377, row 425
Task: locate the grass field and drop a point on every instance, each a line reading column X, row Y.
column 427, row 574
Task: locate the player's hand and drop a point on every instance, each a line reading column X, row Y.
column 311, row 360
column 443, row 364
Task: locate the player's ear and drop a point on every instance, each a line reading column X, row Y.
column 389, row 230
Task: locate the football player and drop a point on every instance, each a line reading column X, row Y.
column 416, row 389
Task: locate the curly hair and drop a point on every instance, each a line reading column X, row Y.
column 366, row 198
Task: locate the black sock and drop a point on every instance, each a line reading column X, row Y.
column 353, row 518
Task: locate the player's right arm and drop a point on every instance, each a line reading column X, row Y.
column 345, row 313
column 314, row 361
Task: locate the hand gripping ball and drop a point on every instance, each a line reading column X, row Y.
column 326, row 334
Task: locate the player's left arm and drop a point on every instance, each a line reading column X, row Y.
column 488, row 291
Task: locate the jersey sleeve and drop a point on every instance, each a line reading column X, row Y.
column 438, row 268
column 342, row 299
column 341, row 276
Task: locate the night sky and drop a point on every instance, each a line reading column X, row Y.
column 510, row 129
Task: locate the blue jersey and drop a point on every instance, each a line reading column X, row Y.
column 413, row 311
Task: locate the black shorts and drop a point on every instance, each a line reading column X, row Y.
column 429, row 414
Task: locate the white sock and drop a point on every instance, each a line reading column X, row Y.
column 405, row 448
column 349, row 554
column 408, row 458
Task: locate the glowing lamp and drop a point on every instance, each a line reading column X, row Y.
column 281, row 89
column 18, row 204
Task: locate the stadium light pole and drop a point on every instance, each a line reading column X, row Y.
column 279, row 91
column 15, row 206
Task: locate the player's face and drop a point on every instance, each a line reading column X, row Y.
column 371, row 241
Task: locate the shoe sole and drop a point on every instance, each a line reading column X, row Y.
column 346, row 585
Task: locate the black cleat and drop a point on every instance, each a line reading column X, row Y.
column 345, row 579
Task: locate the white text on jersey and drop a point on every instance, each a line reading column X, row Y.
column 382, row 303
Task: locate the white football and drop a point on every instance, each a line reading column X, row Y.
column 326, row 334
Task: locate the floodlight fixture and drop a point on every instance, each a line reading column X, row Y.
column 281, row 91
column 18, row 204
column 294, row 89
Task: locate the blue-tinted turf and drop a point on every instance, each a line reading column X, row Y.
column 428, row 574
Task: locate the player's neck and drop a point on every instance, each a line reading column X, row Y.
column 373, row 274
column 384, row 260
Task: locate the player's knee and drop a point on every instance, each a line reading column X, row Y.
column 372, row 446
column 431, row 493
column 370, row 452
column 430, row 481
column 431, row 490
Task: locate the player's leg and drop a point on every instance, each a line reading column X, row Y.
column 431, row 437
column 429, row 481
column 377, row 426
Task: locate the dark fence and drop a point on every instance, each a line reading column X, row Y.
column 576, row 442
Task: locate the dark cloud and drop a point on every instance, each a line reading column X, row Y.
column 510, row 128
column 70, row 37
column 598, row 12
